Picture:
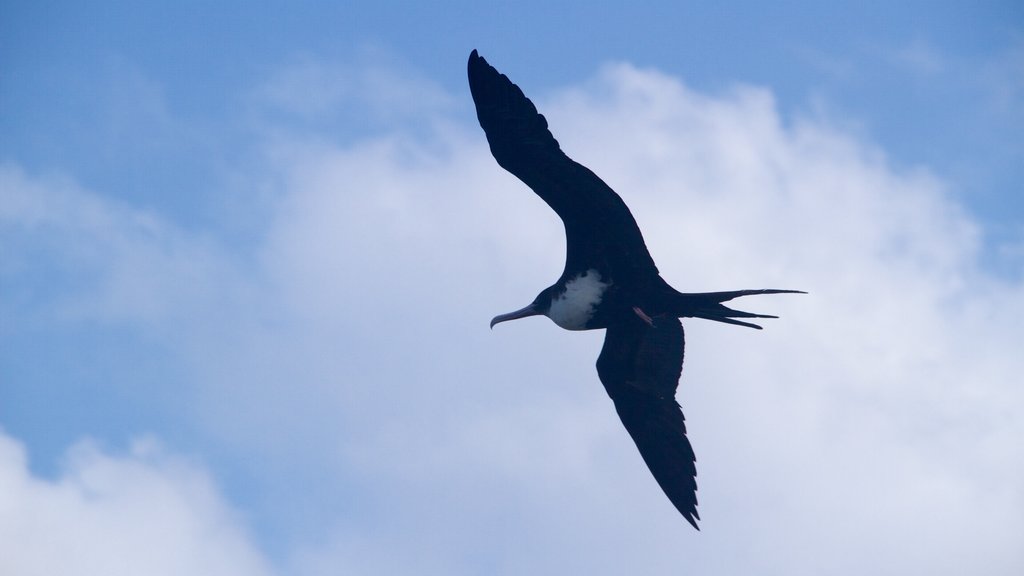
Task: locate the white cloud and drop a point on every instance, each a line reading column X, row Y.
column 142, row 513
column 316, row 94
column 111, row 263
column 877, row 391
column 870, row 430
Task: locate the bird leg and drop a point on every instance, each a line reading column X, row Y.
column 643, row 316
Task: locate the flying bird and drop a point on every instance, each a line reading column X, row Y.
column 610, row 281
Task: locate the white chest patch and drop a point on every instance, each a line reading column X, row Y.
column 574, row 307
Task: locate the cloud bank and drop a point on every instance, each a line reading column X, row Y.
column 367, row 420
column 144, row 512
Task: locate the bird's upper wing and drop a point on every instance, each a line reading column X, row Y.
column 640, row 367
column 598, row 225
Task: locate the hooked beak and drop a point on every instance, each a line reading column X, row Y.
column 530, row 310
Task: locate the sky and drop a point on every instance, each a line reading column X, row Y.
column 249, row 252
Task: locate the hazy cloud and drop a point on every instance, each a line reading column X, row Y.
column 141, row 513
column 346, row 357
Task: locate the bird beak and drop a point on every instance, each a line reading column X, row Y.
column 521, row 313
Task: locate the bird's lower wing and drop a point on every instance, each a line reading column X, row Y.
column 640, row 366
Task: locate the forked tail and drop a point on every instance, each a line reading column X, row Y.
column 708, row 305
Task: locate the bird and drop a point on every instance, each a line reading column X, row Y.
column 610, row 281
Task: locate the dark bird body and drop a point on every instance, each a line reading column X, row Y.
column 609, row 281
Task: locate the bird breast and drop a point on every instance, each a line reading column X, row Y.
column 573, row 308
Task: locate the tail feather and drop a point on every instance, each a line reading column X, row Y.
column 708, row 305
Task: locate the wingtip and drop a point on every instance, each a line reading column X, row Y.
column 692, row 518
column 476, row 66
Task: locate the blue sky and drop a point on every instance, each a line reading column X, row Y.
column 248, row 254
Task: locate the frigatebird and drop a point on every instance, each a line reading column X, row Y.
column 610, row 281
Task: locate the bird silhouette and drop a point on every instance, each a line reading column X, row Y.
column 609, row 281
